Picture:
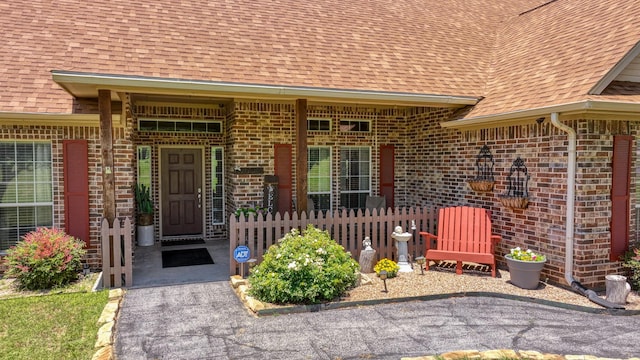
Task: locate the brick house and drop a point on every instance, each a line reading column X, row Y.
column 340, row 100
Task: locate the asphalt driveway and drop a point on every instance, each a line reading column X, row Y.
column 207, row 321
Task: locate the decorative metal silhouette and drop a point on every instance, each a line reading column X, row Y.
column 484, row 179
column 517, row 195
column 484, row 164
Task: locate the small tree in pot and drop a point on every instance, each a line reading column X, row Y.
column 144, row 221
column 144, row 204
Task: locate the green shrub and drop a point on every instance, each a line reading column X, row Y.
column 631, row 261
column 44, row 259
column 303, row 269
column 390, row 266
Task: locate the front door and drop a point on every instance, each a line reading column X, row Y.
column 181, row 191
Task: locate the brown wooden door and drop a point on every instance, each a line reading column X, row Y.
column 181, row 191
column 387, row 174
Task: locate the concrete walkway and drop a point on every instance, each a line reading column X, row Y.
column 207, row 321
column 148, row 270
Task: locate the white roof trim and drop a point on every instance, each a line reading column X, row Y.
column 587, row 106
column 76, row 82
column 602, row 84
column 59, row 117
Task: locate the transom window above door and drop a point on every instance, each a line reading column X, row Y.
column 173, row 125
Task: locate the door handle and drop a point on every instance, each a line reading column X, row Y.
column 199, row 198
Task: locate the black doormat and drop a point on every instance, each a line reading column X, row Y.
column 186, row 257
column 182, row 242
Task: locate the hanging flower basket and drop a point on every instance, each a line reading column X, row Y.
column 481, row 185
column 514, row 202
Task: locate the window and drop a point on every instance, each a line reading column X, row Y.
column 144, row 166
column 316, row 124
column 217, row 185
column 164, row 125
column 319, row 177
column 347, row 125
column 26, row 198
column 355, row 176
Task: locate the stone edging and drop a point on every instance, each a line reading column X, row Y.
column 240, row 286
column 107, row 321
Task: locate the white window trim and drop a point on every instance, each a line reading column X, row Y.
column 224, row 211
column 191, row 121
column 51, row 182
column 370, row 122
column 320, row 119
column 331, row 159
column 340, row 191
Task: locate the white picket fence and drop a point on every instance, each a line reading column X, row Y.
column 347, row 227
column 117, row 254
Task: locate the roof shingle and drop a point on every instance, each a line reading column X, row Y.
column 516, row 59
column 555, row 54
column 416, row 46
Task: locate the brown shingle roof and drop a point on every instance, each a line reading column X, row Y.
column 553, row 54
column 557, row 53
column 415, row 46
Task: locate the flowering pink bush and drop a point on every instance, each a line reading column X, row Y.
column 45, row 258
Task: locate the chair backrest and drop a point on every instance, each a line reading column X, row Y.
column 464, row 228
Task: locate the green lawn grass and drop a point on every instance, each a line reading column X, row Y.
column 56, row 326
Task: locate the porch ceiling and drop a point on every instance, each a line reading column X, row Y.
column 86, row 85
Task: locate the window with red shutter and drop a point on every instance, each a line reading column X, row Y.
column 283, row 165
column 387, row 174
column 620, row 186
column 76, row 188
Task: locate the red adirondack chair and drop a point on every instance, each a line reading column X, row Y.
column 464, row 234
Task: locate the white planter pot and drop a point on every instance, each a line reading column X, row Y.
column 145, row 235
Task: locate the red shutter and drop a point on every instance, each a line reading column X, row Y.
column 76, row 188
column 283, row 165
column 620, row 184
column 387, row 174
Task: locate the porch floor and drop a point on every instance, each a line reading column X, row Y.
column 148, row 270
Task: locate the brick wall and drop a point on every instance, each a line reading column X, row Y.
column 122, row 159
column 432, row 167
column 450, row 155
column 254, row 129
column 158, row 140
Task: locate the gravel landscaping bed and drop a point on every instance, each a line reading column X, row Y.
column 441, row 280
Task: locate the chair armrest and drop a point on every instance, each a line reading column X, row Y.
column 494, row 240
column 427, row 238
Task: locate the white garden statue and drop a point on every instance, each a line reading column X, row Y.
column 402, row 238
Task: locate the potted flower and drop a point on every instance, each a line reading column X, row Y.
column 390, row 266
column 250, row 212
column 525, row 267
column 144, row 222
